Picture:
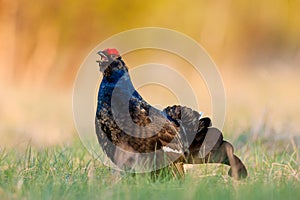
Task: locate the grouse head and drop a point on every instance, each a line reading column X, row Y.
column 111, row 63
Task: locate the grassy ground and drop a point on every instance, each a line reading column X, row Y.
column 69, row 172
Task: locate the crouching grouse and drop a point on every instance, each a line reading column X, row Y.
column 137, row 136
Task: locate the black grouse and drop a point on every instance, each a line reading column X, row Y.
column 137, row 136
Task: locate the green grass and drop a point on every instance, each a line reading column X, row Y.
column 69, row 172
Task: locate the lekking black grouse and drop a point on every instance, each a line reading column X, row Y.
column 134, row 134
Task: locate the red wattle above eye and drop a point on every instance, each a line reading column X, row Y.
column 112, row 51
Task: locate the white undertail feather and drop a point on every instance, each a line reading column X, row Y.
column 169, row 150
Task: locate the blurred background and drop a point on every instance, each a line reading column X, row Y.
column 255, row 44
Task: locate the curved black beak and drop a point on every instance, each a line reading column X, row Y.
column 103, row 58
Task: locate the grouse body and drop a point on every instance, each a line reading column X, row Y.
column 133, row 133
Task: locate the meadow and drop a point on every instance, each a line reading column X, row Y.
column 70, row 172
column 255, row 45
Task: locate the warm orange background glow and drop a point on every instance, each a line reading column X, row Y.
column 255, row 44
